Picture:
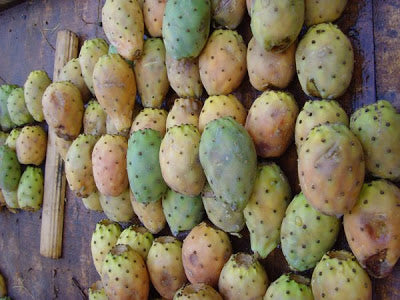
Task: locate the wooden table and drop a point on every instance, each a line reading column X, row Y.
column 27, row 40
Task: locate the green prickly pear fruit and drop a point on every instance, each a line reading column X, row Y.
column 220, row 213
column 11, row 140
column 92, row 202
column 11, row 199
column 151, row 73
column 4, row 136
column 96, row 291
column 182, row 212
column 109, row 165
column 115, row 88
column 315, row 113
column 17, row 109
column 153, row 118
column 243, row 277
column 144, row 172
column 30, row 189
column 72, row 72
column 94, row 119
column 268, row 69
column 186, row 26
column 323, row 11
column 90, row 53
column 372, row 227
column 197, row 291
column 78, row 165
column 306, row 234
column 331, row 169
column 222, row 63
column 124, row 274
column 153, row 14
column 118, row 208
column 290, row 287
column 204, row 253
column 62, row 146
column 266, row 208
column 124, row 27
column 216, row 107
column 10, row 169
column 184, row 111
column 111, row 129
column 325, row 61
column 228, row 13
column 277, row 23
column 5, row 121
column 104, row 237
column 31, row 145
column 138, row 238
column 34, row 88
column 229, row 160
column 184, row 76
column 271, row 122
column 179, row 160
column 165, row 267
column 339, row 276
column 61, row 100
column 376, row 126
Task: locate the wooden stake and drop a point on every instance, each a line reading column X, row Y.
column 54, row 183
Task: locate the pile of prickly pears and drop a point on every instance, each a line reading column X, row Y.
column 209, row 167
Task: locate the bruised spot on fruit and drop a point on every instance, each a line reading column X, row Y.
column 375, row 225
column 377, row 265
column 193, row 258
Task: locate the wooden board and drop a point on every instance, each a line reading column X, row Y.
column 28, row 35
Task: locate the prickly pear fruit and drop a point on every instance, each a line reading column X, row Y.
column 2, row 200
column 96, row 291
column 164, row 263
column 182, row 212
column 138, row 238
column 144, row 172
column 111, row 129
column 229, row 160
column 216, row 107
column 119, row 208
column 271, row 121
column 92, row 202
column 339, row 276
column 17, row 110
column 124, row 27
column 306, row 234
column 94, row 119
column 151, row 214
column 179, row 160
column 152, row 118
column 61, row 100
column 78, row 165
column 186, row 26
column 331, row 169
column 197, row 291
column 290, row 287
column 124, row 274
column 109, row 165
column 184, row 111
column 10, row 169
column 34, row 88
column 205, row 251
column 325, row 61
column 153, row 13
column 30, row 189
column 90, row 53
column 220, row 213
column 372, row 227
column 11, row 199
column 184, row 76
column 228, row 13
column 104, row 237
column 5, row 121
column 269, row 68
column 222, row 63
column 315, row 113
column 11, row 140
column 31, row 145
column 72, row 72
column 62, row 146
column 4, row 136
column 266, row 208
column 277, row 23
column 151, row 73
column 243, row 277
column 323, row 11
column 376, row 126
column 115, row 89
column 249, row 5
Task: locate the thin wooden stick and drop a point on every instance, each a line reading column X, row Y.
column 54, row 184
